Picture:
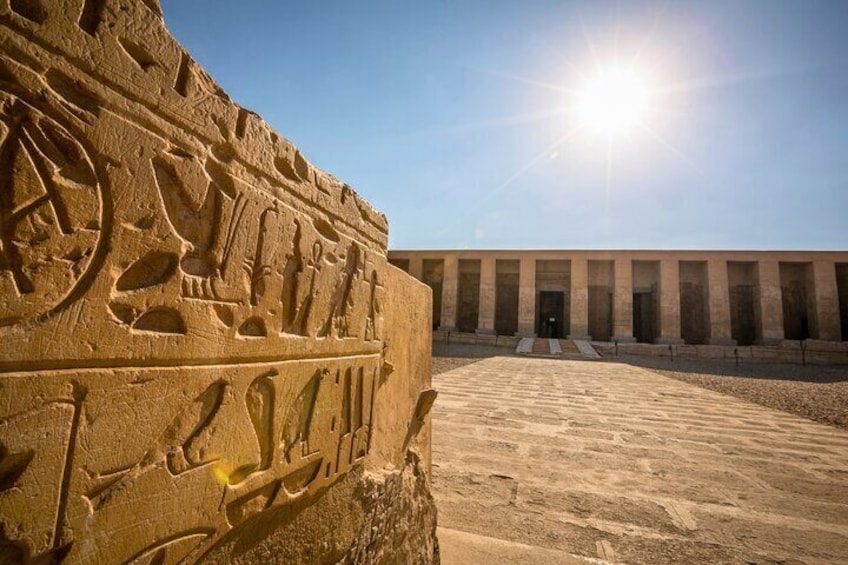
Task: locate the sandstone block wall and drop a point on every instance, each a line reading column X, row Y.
column 204, row 355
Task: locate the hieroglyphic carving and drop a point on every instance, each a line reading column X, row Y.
column 279, row 269
column 192, row 315
column 51, row 223
column 36, row 462
column 258, row 437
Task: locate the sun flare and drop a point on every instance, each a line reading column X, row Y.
column 613, row 103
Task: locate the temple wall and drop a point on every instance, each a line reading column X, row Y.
column 717, row 298
column 206, row 355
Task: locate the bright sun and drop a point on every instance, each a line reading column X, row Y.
column 613, row 103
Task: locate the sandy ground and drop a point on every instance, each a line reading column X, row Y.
column 556, row 461
column 814, row 392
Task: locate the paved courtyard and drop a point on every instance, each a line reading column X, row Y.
column 550, row 461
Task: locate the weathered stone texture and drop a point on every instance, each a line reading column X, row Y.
column 205, row 354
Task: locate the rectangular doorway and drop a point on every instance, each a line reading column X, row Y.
column 842, row 291
column 644, row 321
column 468, row 307
column 796, row 289
column 550, row 314
column 743, row 314
column 433, row 275
column 506, row 296
column 646, row 306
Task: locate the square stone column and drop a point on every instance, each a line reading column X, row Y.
column 826, row 301
column 718, row 291
column 527, row 298
column 416, row 267
column 486, row 315
column 450, row 292
column 622, row 307
column 670, row 302
column 770, row 304
column 579, row 299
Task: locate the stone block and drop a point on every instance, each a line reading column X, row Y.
column 507, row 341
column 486, row 339
column 206, row 356
column 714, row 351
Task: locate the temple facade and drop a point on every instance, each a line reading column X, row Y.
column 674, row 297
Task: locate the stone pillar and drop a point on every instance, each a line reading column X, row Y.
column 826, row 301
column 670, row 302
column 450, row 292
column 718, row 294
column 416, row 267
column 527, row 298
column 622, row 307
column 579, row 299
column 770, row 306
column 486, row 315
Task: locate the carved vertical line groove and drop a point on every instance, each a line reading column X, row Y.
column 79, row 393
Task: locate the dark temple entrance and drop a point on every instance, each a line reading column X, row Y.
column 551, row 314
column 644, row 321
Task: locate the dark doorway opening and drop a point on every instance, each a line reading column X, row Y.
column 741, row 278
column 506, row 297
column 468, row 309
column 842, row 290
column 796, row 282
column 433, row 276
column 644, row 321
column 550, row 314
column 742, row 314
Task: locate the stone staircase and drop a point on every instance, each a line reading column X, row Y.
column 556, row 348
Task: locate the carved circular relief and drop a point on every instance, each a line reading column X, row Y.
column 51, row 214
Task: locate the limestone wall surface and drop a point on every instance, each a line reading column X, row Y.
column 204, row 354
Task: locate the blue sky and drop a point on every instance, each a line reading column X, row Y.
column 453, row 117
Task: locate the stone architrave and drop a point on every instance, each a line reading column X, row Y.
column 205, row 354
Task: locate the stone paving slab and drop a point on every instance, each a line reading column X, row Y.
column 461, row 548
column 617, row 464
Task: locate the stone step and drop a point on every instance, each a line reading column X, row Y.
column 568, row 347
column 541, row 347
column 525, row 346
column 586, row 349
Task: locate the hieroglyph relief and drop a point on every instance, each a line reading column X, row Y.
column 51, row 227
column 261, row 267
column 194, row 320
column 195, row 459
column 184, row 230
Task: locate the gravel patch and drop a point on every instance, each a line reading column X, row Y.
column 818, row 393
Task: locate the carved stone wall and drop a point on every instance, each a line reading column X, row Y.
column 204, row 354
